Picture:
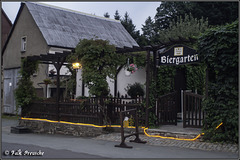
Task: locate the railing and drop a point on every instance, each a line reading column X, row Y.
column 91, row 110
column 193, row 114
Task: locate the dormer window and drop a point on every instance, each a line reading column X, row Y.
column 23, row 44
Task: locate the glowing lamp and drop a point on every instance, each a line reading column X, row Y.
column 76, row 65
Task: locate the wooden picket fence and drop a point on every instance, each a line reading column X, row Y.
column 85, row 111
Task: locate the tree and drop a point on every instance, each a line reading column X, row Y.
column 148, row 30
column 130, row 27
column 99, row 61
column 106, row 15
column 168, row 11
column 116, row 15
column 187, row 27
column 25, row 93
column 217, row 13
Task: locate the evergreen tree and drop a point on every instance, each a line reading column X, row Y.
column 128, row 24
column 106, row 15
column 148, row 30
column 130, row 27
column 116, row 15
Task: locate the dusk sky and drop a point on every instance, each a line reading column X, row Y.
column 138, row 11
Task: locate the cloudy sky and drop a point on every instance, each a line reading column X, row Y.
column 138, row 11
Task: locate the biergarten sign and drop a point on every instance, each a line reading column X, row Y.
column 177, row 55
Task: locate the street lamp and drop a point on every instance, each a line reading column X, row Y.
column 76, row 65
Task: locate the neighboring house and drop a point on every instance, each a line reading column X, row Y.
column 41, row 29
column 6, row 26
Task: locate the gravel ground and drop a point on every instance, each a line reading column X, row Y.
column 176, row 143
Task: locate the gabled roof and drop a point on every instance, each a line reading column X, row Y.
column 5, row 15
column 64, row 28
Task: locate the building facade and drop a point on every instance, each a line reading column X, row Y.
column 42, row 29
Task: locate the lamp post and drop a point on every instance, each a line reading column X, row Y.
column 77, row 65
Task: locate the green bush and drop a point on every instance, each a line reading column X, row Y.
column 218, row 48
column 25, row 93
column 135, row 90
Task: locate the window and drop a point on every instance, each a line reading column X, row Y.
column 23, row 44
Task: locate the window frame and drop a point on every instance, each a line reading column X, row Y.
column 23, row 44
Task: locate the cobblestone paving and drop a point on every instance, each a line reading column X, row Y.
column 176, row 143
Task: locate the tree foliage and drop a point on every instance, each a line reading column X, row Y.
column 148, row 30
column 99, row 61
column 187, row 27
column 218, row 48
column 217, row 13
column 25, row 93
column 168, row 11
column 130, row 27
column 106, row 15
column 116, row 15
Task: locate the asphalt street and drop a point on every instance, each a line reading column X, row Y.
column 62, row 146
column 10, row 150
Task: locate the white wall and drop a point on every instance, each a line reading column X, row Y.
column 122, row 81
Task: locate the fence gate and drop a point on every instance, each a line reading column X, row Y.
column 193, row 114
column 166, row 109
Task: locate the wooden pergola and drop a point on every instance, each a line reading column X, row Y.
column 58, row 60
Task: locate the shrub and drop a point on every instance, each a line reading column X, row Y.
column 218, row 48
column 135, row 90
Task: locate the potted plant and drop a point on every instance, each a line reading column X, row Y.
column 47, row 81
column 131, row 69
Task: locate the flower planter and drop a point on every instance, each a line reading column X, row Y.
column 127, row 73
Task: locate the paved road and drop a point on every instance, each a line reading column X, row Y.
column 40, row 152
column 58, row 146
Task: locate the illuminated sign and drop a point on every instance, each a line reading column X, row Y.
column 178, row 55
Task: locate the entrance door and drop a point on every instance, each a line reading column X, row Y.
column 179, row 84
column 166, row 109
column 193, row 114
column 11, row 77
column 168, row 106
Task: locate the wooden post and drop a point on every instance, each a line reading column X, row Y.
column 206, row 83
column 58, row 89
column 147, row 87
column 58, row 62
column 184, row 110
